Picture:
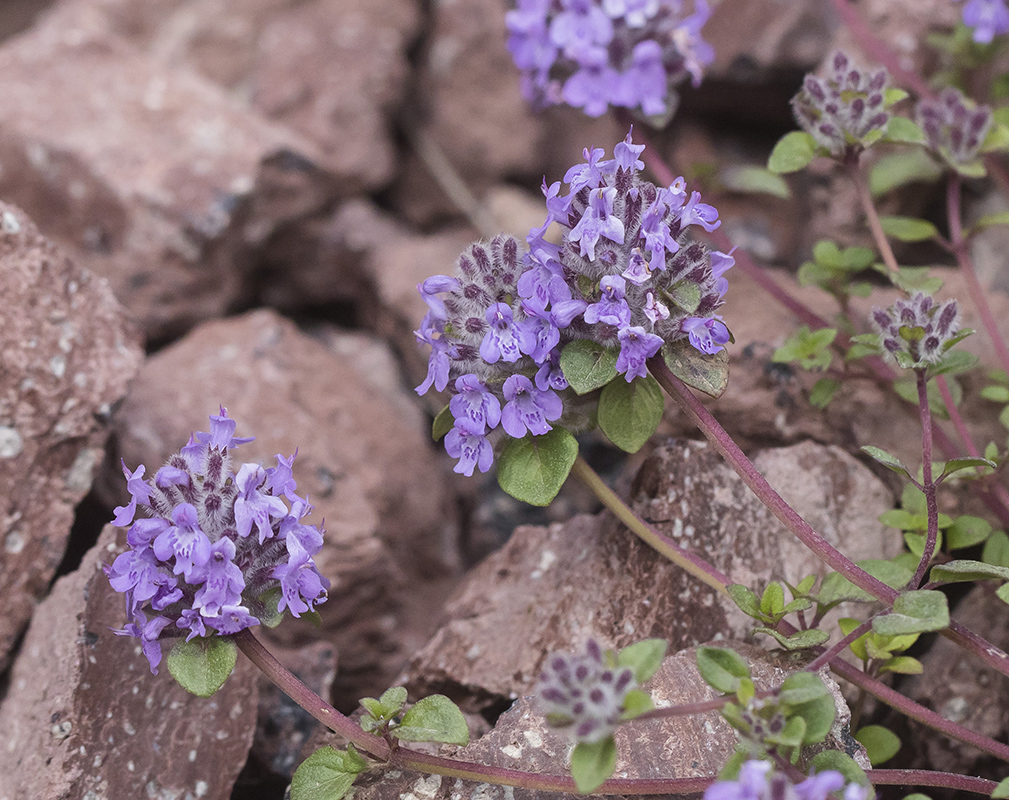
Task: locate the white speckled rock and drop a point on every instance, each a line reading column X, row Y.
column 67, row 355
column 85, row 718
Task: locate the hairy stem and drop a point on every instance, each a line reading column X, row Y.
column 696, row 566
column 927, row 482
column 872, row 216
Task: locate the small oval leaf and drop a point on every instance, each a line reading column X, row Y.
column 433, row 719
column 202, row 665
column 793, row 152
column 588, row 365
column 534, row 468
column 706, row 373
column 592, row 763
column 629, row 413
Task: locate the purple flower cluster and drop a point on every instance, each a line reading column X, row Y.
column 625, row 276
column 592, row 54
column 988, row 19
column 758, row 781
column 917, row 331
column 955, row 126
column 841, row 111
column 212, row 548
column 583, row 693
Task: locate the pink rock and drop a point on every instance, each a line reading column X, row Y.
column 364, row 461
column 67, row 355
column 84, row 716
column 149, row 174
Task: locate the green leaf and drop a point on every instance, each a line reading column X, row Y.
column 881, row 744
column 629, row 413
column 327, row 774
column 908, row 229
column 685, row 294
column 901, row 130
column 972, row 169
column 433, row 719
column 836, row 588
column 956, row 464
column 996, row 549
column 840, row 762
column 997, row 394
column 965, row 570
column 706, row 373
column 264, row 608
column 1002, row 593
column 988, row 221
column 823, row 392
column 1002, row 790
column 534, row 468
column 202, row 665
column 722, row 669
column 800, row 688
column 793, row 152
column 915, row 279
column 755, row 180
column 592, row 764
column 899, row 169
column 746, row 599
column 892, row 96
column 954, row 362
column 772, row 603
column 442, row 424
column 903, row 665
column 919, row 611
column 807, row 697
column 810, row 348
column 587, row 365
column 997, row 138
column 797, row 641
column 889, row 461
column 967, row 531
column 636, row 703
column 643, row 657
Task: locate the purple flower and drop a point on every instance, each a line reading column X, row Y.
column 184, row 541
column 636, row 347
column 192, row 621
column 655, row 232
column 580, row 27
column 588, row 174
column 144, row 531
column 954, row 126
column 437, row 365
column 635, row 12
column 557, row 207
column 988, row 18
column 758, row 781
column 307, row 537
column 148, row 633
column 222, row 430
column 550, row 375
column 720, row 264
column 475, row 408
column 472, row 449
column 625, row 154
column 598, row 220
column 137, row 574
column 542, row 283
column 528, row 408
column 637, row 271
column 698, row 213
column 707, row 334
column 300, row 583
column 232, row 619
column 697, row 54
column 612, row 308
column 139, row 492
column 501, row 342
column 253, row 506
column 592, row 87
column 644, row 84
column 430, row 289
column 222, row 580
column 654, row 310
column 280, row 479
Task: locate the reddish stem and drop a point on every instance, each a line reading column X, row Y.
column 928, row 484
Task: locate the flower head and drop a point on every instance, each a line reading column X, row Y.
column 842, row 110
column 917, row 331
column 192, row 562
column 594, row 54
column 583, row 693
column 955, row 126
column 625, row 276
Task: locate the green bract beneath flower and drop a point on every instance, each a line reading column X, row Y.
column 917, row 331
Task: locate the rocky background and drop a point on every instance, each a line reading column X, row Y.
column 230, row 202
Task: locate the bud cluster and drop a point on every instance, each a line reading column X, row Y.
column 583, row 693
column 917, row 331
column 955, row 126
column 843, row 109
column 212, row 548
column 625, row 276
column 758, row 780
column 592, row 54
